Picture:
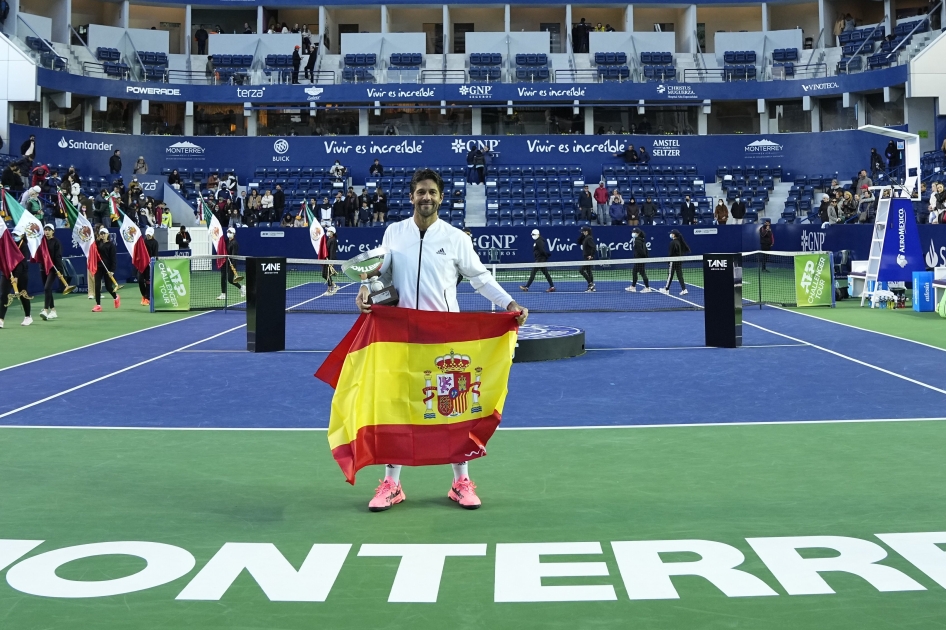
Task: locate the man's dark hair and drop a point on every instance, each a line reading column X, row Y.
column 422, row 174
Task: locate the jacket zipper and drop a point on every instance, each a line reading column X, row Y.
column 420, row 258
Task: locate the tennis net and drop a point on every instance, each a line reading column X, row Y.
column 640, row 284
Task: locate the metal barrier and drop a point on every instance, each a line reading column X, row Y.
column 442, row 76
column 578, row 75
column 803, row 71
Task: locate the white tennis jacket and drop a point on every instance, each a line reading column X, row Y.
column 424, row 271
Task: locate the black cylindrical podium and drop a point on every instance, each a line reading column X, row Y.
column 722, row 300
column 265, row 304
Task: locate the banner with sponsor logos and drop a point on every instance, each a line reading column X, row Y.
column 171, row 284
column 792, row 152
column 813, row 285
column 901, row 254
column 495, row 94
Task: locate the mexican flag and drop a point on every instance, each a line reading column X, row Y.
column 82, row 233
column 316, row 234
column 215, row 231
column 32, row 230
column 135, row 244
column 10, row 255
column 114, row 201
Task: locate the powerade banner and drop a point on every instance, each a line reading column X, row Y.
column 792, row 151
column 901, row 255
column 171, row 284
column 813, row 286
column 475, row 94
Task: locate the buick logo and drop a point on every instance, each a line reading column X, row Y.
column 281, row 146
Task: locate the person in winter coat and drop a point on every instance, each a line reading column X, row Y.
column 876, row 163
column 296, row 64
column 738, row 211
column 115, row 163
column 588, row 250
column 49, row 279
column 279, row 203
column 601, row 198
column 141, row 167
column 766, row 241
column 28, row 149
column 678, row 247
column 540, row 251
column 823, row 208
column 688, row 211
column 649, row 211
column 892, row 153
column 639, row 244
column 339, row 210
column 266, row 207
column 616, row 210
column 721, row 213
column 633, row 212
column 380, row 207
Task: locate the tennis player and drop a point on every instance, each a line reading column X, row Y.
column 108, row 256
column 49, row 279
column 426, row 255
column 22, row 275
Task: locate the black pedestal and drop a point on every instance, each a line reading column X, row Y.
column 722, row 289
column 265, row 304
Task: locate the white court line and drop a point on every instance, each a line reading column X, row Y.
column 115, row 373
column 345, row 286
column 876, row 332
column 774, row 345
column 852, row 359
column 246, row 351
column 672, row 425
column 95, row 343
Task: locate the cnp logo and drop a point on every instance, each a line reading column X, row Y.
column 718, row 264
column 272, row 266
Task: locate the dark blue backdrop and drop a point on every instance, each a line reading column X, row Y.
column 844, row 152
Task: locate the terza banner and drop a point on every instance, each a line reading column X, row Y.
column 90, row 152
column 494, row 94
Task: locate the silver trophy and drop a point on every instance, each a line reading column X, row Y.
column 366, row 269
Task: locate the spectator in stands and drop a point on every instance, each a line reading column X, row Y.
column 201, row 36
column 862, row 179
column 848, row 205
column 649, row 211
column 74, row 191
column 599, row 28
column 351, row 208
column 237, row 210
column 174, row 180
column 364, row 213
column 209, row 70
column 213, row 182
column 309, row 72
column 617, row 212
column 943, row 148
column 609, row 29
column 644, row 156
column 141, row 167
column 337, row 171
column 633, row 212
column 721, row 213
column 834, row 213
column 892, row 153
column 766, row 241
column 325, row 212
column 100, row 211
column 252, row 208
column 246, row 29
column 586, row 203
column 296, row 64
column 287, row 220
column 33, row 204
column 11, row 179
column 629, row 155
column 39, row 175
column 848, row 23
column 279, row 203
column 738, row 211
column 937, row 204
column 115, row 163
column 688, row 211
column 365, row 197
column 338, row 210
column 266, row 207
column 28, row 149
column 53, row 182
column 876, row 164
column 376, row 170
column 285, row 29
column 823, row 208
column 380, row 207
column 836, row 188
column 33, row 117
column 306, row 39
column 183, row 238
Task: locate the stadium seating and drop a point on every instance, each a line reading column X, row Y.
column 851, row 64
column 739, row 57
column 407, row 61
column 657, row 66
column 235, row 68
column 785, row 54
column 107, row 54
column 532, row 67
column 38, row 44
column 861, row 35
column 359, row 68
column 612, row 66
column 739, row 73
column 119, row 70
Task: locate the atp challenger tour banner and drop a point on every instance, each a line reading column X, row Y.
column 813, row 286
column 171, row 284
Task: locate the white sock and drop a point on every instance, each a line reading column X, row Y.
column 393, row 472
column 460, row 471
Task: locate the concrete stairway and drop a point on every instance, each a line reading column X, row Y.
column 475, row 205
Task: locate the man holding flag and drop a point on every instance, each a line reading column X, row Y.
column 228, row 270
column 144, row 276
column 424, row 257
column 140, row 256
column 14, row 267
column 102, row 259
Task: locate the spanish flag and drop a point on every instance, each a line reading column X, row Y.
column 417, row 388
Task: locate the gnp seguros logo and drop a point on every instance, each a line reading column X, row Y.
column 83, row 145
column 465, row 146
column 476, row 91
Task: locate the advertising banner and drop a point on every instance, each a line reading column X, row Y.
column 813, row 285
column 923, row 300
column 171, row 285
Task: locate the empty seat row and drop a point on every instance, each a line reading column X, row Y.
column 532, row 59
column 485, row 73
column 38, row 44
column 862, row 34
column 154, row 73
column 153, row 58
column 115, row 69
column 646, row 169
column 614, row 73
column 486, row 59
column 529, row 171
column 406, row 59
column 240, row 61
column 532, row 73
column 785, row 54
column 787, row 69
column 739, row 73
column 880, row 61
column 739, row 57
column 368, row 59
column 656, row 58
column 659, row 73
column 357, row 74
column 748, row 171
column 850, row 64
column 907, row 27
column 610, row 59
column 863, row 48
column 278, row 61
column 107, row 54
column 53, row 61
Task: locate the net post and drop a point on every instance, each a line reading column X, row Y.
column 151, row 285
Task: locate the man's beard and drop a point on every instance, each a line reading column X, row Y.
column 425, row 209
